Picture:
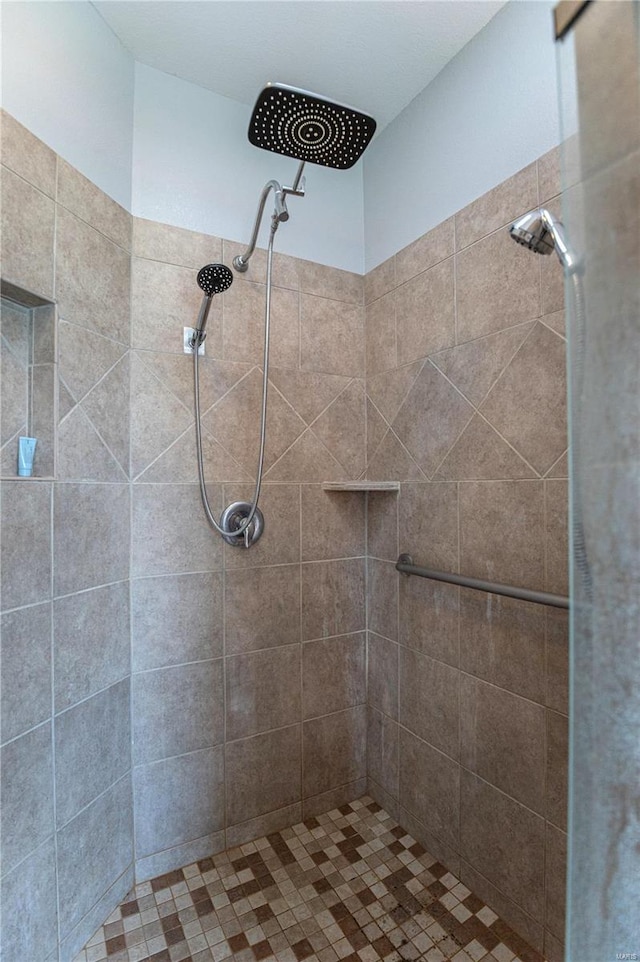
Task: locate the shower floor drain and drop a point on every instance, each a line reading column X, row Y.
column 350, row 885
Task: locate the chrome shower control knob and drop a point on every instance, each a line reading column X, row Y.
column 233, row 517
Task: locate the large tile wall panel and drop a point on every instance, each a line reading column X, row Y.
column 466, row 407
column 65, row 569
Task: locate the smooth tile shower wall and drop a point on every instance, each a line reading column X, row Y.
column 467, row 693
column 67, row 813
column 248, row 667
column 245, row 672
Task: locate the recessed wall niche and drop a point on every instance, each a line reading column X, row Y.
column 27, row 379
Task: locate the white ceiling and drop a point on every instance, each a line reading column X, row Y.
column 375, row 55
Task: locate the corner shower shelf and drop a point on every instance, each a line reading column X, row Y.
column 361, row 486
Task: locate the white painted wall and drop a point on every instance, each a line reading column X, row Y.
column 68, row 79
column 491, row 111
column 194, row 167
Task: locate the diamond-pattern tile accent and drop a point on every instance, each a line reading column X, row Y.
column 342, row 429
column 479, row 454
column 431, row 419
column 235, row 422
column 475, row 365
column 308, row 393
column 350, row 884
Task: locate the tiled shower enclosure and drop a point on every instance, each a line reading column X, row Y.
column 271, row 686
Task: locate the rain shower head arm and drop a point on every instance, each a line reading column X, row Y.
column 241, row 261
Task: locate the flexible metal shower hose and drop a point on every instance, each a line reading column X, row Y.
column 244, row 527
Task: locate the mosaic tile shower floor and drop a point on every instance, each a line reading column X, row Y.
column 350, row 885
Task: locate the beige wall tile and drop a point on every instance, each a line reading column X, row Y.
column 331, row 336
column 380, row 280
column 481, row 454
column 92, row 278
column 382, row 675
column 333, row 674
column 334, row 750
column 509, row 911
column 557, row 769
column 475, row 366
column 557, row 537
column 342, row 429
column 108, row 407
column 527, row 405
column 382, row 751
column 502, row 739
column 244, row 317
column 503, row 641
column 486, row 508
column 429, row 613
column 504, row 841
column 380, row 333
column 262, row 607
column 389, row 389
column 426, row 251
column 307, row 460
column 96, row 554
column 26, row 543
column 549, row 183
column 330, row 282
column 169, row 531
column 557, row 660
column 428, row 524
column 263, row 825
column 333, row 524
column 382, row 525
column 392, row 462
column 308, row 394
column 176, row 619
column 333, row 598
column 262, row 773
column 382, row 597
column 334, row 798
column 164, row 300
column 498, row 207
column 174, row 245
column 556, row 868
column 497, row 286
column 431, row 419
column 430, row 703
column 234, row 421
column 27, row 156
column 92, row 205
column 157, row 417
column 430, row 787
column 27, row 234
column 262, row 691
column 82, row 455
column 425, row 313
column 84, row 357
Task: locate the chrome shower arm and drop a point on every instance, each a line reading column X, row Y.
column 565, row 254
column 241, row 261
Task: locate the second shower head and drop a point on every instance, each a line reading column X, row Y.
column 214, row 279
column 541, row 233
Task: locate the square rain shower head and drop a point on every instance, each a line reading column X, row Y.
column 303, row 125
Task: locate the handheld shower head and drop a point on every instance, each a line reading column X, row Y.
column 309, row 127
column 541, row 233
column 214, row 278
